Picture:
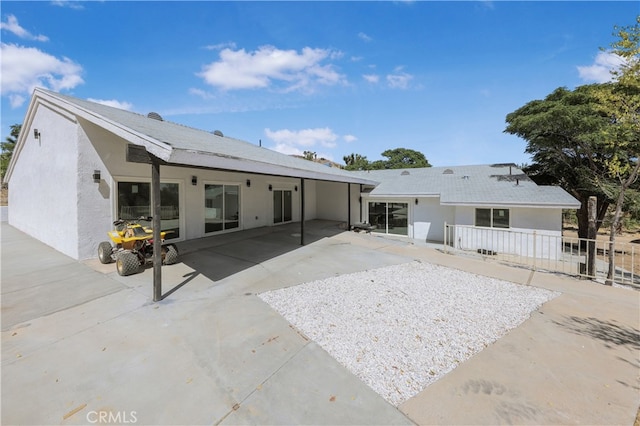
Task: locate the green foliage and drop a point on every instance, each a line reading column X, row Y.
column 356, row 162
column 310, row 155
column 398, row 158
column 7, row 148
column 588, row 140
column 563, row 133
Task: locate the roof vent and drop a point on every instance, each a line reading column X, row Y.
column 465, row 177
column 447, row 172
column 405, row 173
column 155, row 116
column 218, row 133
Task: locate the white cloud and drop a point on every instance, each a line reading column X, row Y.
column 201, row 93
column 371, row 78
column 362, row 36
column 16, row 101
column 14, row 27
column 70, row 4
column 113, row 103
column 25, row 68
column 304, row 138
column 268, row 66
column 221, row 46
column 399, row 80
column 349, row 138
column 600, row 71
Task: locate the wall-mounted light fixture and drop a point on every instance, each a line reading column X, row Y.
column 416, row 201
column 194, row 180
column 96, row 176
column 360, row 200
column 36, row 134
column 296, row 188
column 248, row 183
column 270, row 187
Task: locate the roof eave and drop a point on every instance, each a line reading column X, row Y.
column 221, row 162
column 512, row 204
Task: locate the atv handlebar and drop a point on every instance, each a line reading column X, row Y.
column 127, row 221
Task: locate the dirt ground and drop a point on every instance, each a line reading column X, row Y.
column 603, row 235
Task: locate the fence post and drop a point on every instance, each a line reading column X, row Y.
column 535, row 252
column 445, row 238
column 591, row 237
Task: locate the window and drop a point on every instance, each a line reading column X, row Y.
column 492, row 218
column 221, row 207
column 483, row 217
column 389, row 218
column 134, row 201
column 500, row 218
column 282, row 206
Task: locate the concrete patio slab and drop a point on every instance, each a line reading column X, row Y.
column 79, row 342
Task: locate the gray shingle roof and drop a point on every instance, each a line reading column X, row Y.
column 499, row 184
column 178, row 144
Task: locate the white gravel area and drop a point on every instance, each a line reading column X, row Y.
column 401, row 328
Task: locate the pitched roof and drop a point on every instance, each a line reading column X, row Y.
column 489, row 185
column 182, row 145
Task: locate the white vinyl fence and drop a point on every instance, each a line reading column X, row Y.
column 547, row 251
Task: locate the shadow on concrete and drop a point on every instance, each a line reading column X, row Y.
column 607, row 332
column 221, row 256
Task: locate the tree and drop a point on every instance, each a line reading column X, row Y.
column 7, row 148
column 563, row 134
column 398, row 158
column 621, row 102
column 310, row 155
column 402, row 158
column 356, row 162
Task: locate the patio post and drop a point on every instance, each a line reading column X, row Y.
column 301, row 211
column 157, row 242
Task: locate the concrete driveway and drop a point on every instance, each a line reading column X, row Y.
column 82, row 345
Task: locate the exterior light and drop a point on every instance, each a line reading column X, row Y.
column 416, row 201
column 248, row 183
column 270, row 187
column 96, row 175
column 36, row 134
column 296, row 188
column 194, row 180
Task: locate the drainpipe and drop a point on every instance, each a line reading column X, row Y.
column 360, row 201
column 348, row 206
column 301, row 211
column 157, row 242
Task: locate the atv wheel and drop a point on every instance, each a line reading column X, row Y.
column 104, row 252
column 127, row 263
column 169, row 255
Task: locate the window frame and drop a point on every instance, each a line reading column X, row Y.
column 224, row 219
column 494, row 218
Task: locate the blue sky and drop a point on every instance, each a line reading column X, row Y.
column 330, row 77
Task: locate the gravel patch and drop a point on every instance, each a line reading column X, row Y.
column 401, row 328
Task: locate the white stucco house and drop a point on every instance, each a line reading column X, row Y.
column 479, row 207
column 79, row 165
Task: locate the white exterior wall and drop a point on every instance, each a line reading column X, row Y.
column 332, row 201
column 64, row 208
column 43, row 187
column 533, row 232
column 429, row 218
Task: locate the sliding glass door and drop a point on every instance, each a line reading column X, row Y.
column 389, row 218
column 282, row 206
column 221, row 207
